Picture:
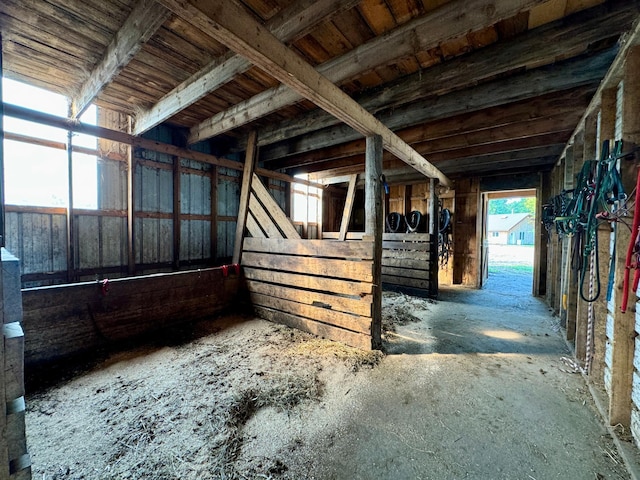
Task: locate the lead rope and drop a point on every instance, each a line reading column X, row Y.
column 590, row 315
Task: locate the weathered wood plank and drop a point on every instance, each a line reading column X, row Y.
column 406, row 282
column 404, row 255
column 288, row 25
column 361, row 271
column 409, row 237
column 245, row 192
column 348, row 207
column 313, row 248
column 284, row 224
column 347, row 321
column 417, row 246
column 145, row 18
column 405, row 272
column 357, row 306
column 307, row 282
column 260, row 215
column 405, row 263
column 353, row 339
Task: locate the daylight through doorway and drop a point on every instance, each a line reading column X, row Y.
column 510, row 239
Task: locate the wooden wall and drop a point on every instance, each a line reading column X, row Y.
column 63, row 321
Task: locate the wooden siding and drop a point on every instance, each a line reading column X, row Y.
column 67, row 320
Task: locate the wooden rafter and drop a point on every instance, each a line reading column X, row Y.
column 290, row 24
column 145, row 18
column 453, row 19
column 544, row 46
column 231, row 25
column 562, row 76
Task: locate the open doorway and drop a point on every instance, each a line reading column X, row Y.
column 509, row 241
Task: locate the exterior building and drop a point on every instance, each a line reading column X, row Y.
column 510, row 229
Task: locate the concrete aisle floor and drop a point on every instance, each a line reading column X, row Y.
column 476, row 389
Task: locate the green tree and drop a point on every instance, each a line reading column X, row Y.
column 504, row 206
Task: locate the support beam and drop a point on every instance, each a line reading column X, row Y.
column 374, row 227
column 145, row 18
column 232, row 26
column 131, row 250
column 288, row 25
column 176, row 212
column 421, row 34
column 70, row 227
column 245, row 193
column 545, row 45
column 348, row 207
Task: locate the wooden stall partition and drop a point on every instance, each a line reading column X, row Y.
column 321, row 287
column 67, row 320
column 410, row 263
column 318, row 286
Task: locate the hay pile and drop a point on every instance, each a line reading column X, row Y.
column 400, row 309
column 180, row 412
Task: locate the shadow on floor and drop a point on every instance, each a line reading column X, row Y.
column 503, row 317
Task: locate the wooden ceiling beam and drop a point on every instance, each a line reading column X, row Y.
column 543, row 46
column 288, row 25
column 145, row 19
column 355, row 163
column 232, row 26
column 525, row 130
column 454, row 19
column 570, row 74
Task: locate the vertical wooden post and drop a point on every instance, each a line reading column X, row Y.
column 4, row 452
column 70, row 226
column 214, row 214
column 408, row 191
column 543, row 193
column 624, row 323
column 585, row 309
column 434, row 231
column 131, row 257
column 245, row 191
column 374, row 226
column 348, row 207
column 605, row 130
column 2, row 216
column 177, row 205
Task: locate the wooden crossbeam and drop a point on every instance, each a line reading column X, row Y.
column 145, row 18
column 288, row 25
column 231, row 25
column 451, row 20
column 543, row 46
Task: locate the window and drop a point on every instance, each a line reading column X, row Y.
column 495, row 234
column 307, row 203
column 35, row 160
column 521, row 235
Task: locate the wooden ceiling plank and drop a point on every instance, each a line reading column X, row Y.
column 547, row 45
column 145, row 18
column 452, row 20
column 245, row 36
column 301, row 17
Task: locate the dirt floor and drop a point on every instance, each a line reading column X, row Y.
column 475, row 385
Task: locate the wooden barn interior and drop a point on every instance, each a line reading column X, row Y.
column 217, row 120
